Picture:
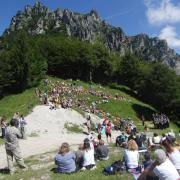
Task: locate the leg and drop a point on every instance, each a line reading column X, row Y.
column 10, row 161
column 18, row 158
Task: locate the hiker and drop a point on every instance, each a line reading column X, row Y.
column 23, row 124
column 108, row 131
column 131, row 155
column 142, row 119
column 102, row 151
column 88, row 157
column 65, row 159
column 147, row 160
column 121, row 140
column 173, row 153
column 16, row 119
column 89, row 123
column 79, row 157
column 12, row 147
column 3, row 126
column 162, row 168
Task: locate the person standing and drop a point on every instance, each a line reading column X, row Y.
column 12, row 147
column 142, row 119
column 23, row 124
column 3, row 126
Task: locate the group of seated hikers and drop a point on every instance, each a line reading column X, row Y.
column 165, row 164
column 83, row 159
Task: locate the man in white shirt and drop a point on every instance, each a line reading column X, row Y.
column 162, row 168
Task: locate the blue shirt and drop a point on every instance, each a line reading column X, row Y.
column 65, row 162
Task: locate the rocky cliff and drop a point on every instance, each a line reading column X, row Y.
column 38, row 19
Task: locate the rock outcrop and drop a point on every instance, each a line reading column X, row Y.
column 38, row 19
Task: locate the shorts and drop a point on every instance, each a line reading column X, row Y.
column 108, row 134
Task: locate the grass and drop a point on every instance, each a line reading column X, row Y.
column 72, row 127
column 22, row 103
column 39, row 169
column 131, row 107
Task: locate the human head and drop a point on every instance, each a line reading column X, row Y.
column 155, row 134
column 147, row 156
column 86, row 140
column 167, row 144
column 86, row 145
column 64, row 148
column 99, row 136
column 132, row 146
column 13, row 122
column 160, row 156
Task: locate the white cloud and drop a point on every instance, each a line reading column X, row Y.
column 162, row 11
column 169, row 34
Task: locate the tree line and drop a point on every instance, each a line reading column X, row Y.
column 25, row 60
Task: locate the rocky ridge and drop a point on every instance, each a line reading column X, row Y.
column 38, row 19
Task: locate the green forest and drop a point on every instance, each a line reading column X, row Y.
column 25, row 60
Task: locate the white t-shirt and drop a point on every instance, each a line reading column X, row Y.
column 156, row 140
column 131, row 158
column 88, row 157
column 175, row 158
column 166, row 171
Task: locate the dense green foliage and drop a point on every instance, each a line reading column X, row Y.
column 25, row 60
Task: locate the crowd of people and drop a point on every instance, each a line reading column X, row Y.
column 161, row 121
column 94, row 148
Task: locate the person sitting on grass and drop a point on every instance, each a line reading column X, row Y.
column 121, row 140
column 131, row 155
column 161, row 168
column 65, row 159
column 88, row 157
column 102, row 151
column 147, row 160
column 173, row 153
column 79, row 157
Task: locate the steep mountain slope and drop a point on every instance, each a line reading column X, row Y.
column 90, row 27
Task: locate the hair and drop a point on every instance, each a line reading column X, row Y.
column 86, row 145
column 99, row 136
column 155, row 134
column 167, row 144
column 13, row 122
column 132, row 146
column 160, row 156
column 86, row 140
column 147, row 156
column 64, row 148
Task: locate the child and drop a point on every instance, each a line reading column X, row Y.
column 147, row 162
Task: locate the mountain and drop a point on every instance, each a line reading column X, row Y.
column 38, row 19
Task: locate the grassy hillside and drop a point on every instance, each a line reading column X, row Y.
column 129, row 108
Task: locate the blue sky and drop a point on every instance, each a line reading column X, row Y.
column 153, row 17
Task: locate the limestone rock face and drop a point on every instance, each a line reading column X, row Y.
column 89, row 27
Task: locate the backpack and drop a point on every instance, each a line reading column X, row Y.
column 117, row 166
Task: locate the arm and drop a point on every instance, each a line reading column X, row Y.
column 148, row 171
column 18, row 134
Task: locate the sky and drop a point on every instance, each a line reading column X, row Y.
column 159, row 18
